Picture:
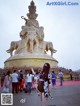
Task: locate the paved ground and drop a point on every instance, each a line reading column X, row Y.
column 62, row 96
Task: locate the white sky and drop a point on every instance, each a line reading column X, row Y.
column 61, row 26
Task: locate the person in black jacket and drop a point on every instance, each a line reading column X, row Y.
column 20, row 77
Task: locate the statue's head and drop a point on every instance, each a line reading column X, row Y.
column 32, row 11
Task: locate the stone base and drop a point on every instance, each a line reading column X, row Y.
column 28, row 60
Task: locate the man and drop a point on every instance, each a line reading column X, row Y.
column 14, row 77
column 53, row 78
column 61, row 77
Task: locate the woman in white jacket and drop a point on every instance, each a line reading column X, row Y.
column 29, row 81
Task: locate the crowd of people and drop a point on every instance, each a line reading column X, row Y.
column 19, row 81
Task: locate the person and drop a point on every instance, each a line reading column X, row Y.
column 2, row 79
column 29, row 80
column 14, row 77
column 20, row 80
column 53, row 78
column 36, row 79
column 22, row 84
column 7, row 81
column 44, row 80
column 61, row 77
column 71, row 77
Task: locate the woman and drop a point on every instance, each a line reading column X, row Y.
column 45, row 79
column 7, row 82
column 29, row 80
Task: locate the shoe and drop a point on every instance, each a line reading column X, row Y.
column 46, row 95
column 38, row 94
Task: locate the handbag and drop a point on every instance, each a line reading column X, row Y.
column 41, row 86
column 5, row 90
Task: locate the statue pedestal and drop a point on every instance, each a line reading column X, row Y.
column 28, row 60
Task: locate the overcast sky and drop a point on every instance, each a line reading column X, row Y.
column 61, row 26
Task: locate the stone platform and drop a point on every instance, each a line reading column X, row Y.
column 28, row 60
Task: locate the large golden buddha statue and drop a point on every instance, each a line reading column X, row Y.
column 32, row 46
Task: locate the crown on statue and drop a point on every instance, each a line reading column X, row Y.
column 32, row 11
